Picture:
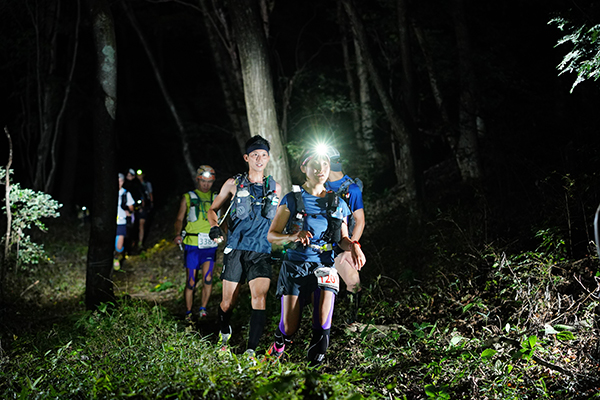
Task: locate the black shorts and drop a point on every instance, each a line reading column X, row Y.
column 242, row 265
column 297, row 278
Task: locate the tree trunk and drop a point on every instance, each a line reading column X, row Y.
column 405, row 170
column 258, row 85
column 467, row 146
column 433, row 83
column 366, row 114
column 99, row 287
column 407, row 82
column 45, row 19
column 7, row 236
column 185, row 146
column 58, row 126
column 229, row 76
column 350, row 79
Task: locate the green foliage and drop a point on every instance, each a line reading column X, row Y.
column 133, row 349
column 28, row 208
column 583, row 59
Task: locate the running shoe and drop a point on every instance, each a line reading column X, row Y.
column 116, row 264
column 188, row 317
column 224, row 338
column 250, row 356
column 202, row 313
column 275, row 353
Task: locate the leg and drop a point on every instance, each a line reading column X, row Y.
column 190, row 286
column 323, row 304
column 288, row 324
column 119, row 244
column 230, row 294
column 258, row 290
column 207, row 270
column 351, row 277
column 119, row 247
column 141, row 231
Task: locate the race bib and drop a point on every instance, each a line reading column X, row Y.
column 205, row 242
column 327, row 278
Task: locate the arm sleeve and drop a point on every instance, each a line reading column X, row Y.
column 130, row 201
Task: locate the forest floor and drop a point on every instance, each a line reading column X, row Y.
column 476, row 324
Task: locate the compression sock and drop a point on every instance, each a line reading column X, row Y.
column 318, row 346
column 257, row 324
column 224, row 318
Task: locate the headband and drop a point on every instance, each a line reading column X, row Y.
column 257, row 146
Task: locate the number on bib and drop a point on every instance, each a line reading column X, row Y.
column 327, row 278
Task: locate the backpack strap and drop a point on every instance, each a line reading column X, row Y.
column 300, row 211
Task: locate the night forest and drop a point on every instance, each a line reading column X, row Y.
column 477, row 152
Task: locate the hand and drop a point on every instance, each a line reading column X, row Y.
column 358, row 257
column 178, row 239
column 216, row 234
column 303, row 237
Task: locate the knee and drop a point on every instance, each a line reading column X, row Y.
column 226, row 305
column 190, row 284
column 259, row 302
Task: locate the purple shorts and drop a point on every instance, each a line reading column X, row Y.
column 195, row 257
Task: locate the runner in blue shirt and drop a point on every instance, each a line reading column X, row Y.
column 310, row 222
column 348, row 189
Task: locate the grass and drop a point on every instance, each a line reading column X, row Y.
column 475, row 322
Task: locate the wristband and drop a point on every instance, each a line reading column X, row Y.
column 356, row 241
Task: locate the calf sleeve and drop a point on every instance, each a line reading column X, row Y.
column 257, row 324
column 317, row 311
column 191, row 279
column 318, row 346
column 208, row 275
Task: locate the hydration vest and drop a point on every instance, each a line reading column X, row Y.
column 333, row 234
column 244, row 201
column 124, row 205
column 197, row 205
column 343, row 193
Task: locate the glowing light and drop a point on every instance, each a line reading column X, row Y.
column 322, row 149
column 139, row 172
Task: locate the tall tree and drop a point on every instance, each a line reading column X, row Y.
column 405, row 169
column 185, row 147
column 99, row 287
column 258, row 84
column 225, row 57
column 467, row 151
column 47, row 84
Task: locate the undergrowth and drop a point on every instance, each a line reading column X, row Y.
column 469, row 320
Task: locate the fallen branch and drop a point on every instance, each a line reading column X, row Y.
column 29, row 287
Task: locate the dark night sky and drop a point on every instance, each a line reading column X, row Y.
column 529, row 111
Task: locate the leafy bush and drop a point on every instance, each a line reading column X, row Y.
column 27, row 208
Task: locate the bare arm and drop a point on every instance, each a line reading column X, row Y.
column 227, row 192
column 276, row 235
column 178, row 225
column 359, row 225
column 358, row 258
